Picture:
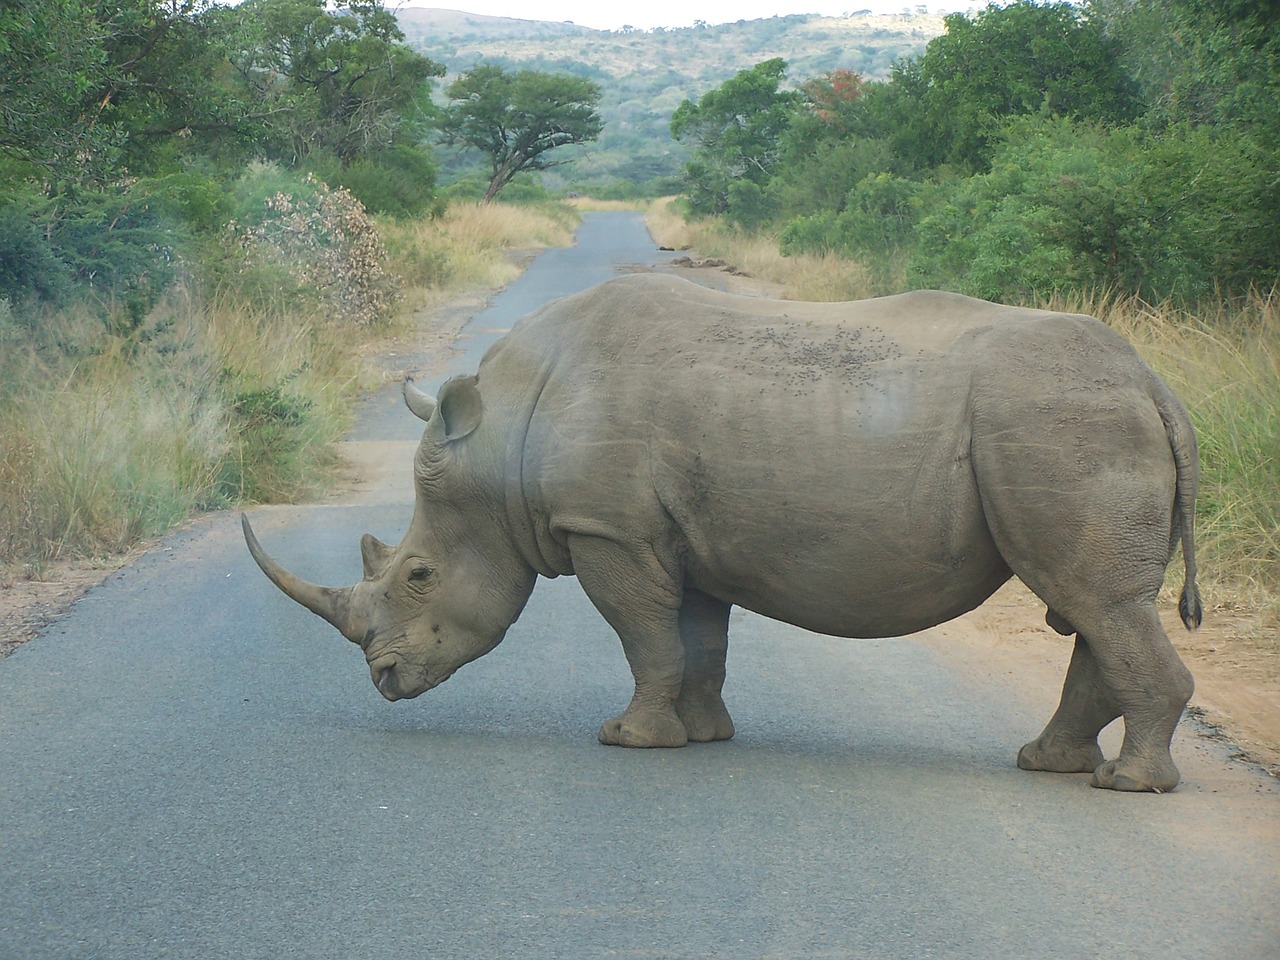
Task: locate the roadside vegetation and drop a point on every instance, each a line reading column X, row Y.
column 233, row 387
column 203, row 207
column 205, row 213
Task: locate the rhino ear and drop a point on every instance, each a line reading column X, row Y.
column 460, row 407
column 422, row 404
column 375, row 554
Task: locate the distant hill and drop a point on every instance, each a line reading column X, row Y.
column 646, row 74
column 422, row 25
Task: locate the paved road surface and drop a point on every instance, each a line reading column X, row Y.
column 191, row 766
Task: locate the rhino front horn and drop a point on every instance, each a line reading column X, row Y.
column 328, row 602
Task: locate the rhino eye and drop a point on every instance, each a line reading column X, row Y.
column 420, row 572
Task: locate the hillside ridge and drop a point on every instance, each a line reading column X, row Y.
column 644, row 75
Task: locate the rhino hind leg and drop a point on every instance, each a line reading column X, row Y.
column 633, row 593
column 1069, row 743
column 1123, row 665
column 1080, row 507
column 1152, row 686
column 704, row 630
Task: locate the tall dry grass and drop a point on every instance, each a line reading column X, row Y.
column 824, row 277
column 234, row 389
column 470, row 245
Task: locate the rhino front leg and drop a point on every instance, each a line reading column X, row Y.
column 1069, row 743
column 704, row 628
column 641, row 602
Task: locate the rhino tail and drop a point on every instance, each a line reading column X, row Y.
column 1186, row 458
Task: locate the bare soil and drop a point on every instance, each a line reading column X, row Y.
column 1237, row 697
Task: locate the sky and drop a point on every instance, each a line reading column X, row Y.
column 646, row 14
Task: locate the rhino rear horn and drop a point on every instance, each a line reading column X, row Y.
column 422, row 404
column 376, row 556
column 331, row 603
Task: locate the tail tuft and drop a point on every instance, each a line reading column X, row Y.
column 1189, row 606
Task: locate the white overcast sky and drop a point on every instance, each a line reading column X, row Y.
column 612, row 14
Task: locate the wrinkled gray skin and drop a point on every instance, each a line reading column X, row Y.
column 858, row 469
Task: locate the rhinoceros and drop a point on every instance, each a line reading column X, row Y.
column 863, row 469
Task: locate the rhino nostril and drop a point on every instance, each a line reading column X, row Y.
column 382, row 670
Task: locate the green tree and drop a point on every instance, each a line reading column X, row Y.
column 90, row 90
column 1006, row 61
column 517, row 118
column 331, row 77
column 1201, row 61
column 830, row 146
column 736, row 133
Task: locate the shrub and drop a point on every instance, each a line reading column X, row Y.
column 323, row 237
column 1182, row 215
column 198, row 202
column 114, row 246
column 30, row 268
column 399, row 182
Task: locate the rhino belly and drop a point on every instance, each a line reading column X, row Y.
column 851, row 538
column 845, row 584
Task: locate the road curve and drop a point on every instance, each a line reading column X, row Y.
column 191, row 766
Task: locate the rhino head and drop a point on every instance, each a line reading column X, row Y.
column 449, row 591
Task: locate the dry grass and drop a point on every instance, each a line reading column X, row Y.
column 231, row 390
column 823, row 277
column 470, row 245
column 591, row 204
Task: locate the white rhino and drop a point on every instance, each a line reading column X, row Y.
column 863, row 469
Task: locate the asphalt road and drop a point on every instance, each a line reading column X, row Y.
column 192, row 766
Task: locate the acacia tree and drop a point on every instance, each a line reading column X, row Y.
column 518, row 118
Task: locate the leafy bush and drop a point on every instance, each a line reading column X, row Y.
column 116, row 247
column 399, row 182
column 1182, row 215
column 199, row 202
column 321, row 236
column 119, row 246
column 825, row 172
column 30, row 268
column 879, row 216
column 279, row 441
column 749, row 206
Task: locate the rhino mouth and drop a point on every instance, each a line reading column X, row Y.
column 390, row 679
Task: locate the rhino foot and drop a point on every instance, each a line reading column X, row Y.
column 639, row 727
column 1058, row 757
column 1136, row 776
column 705, row 719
